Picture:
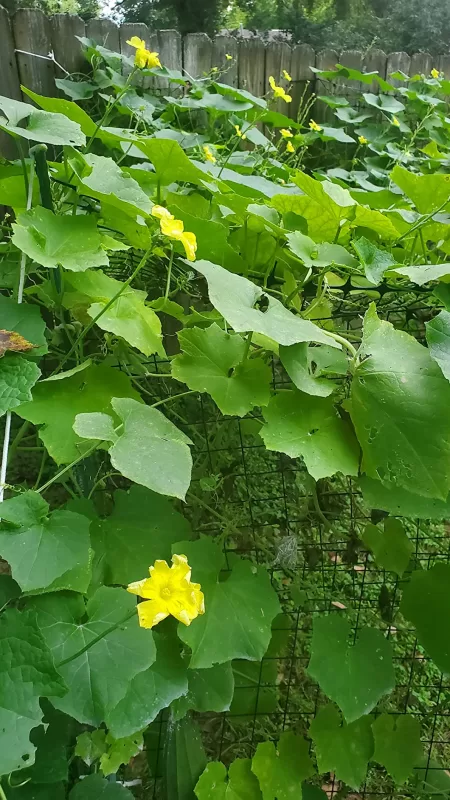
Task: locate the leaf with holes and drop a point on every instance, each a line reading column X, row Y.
column 10, row 340
column 25, row 320
column 365, row 673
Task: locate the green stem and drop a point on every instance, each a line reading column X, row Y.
column 110, row 109
column 169, row 273
column 2, row 793
column 108, row 305
column 344, row 342
column 422, row 222
column 24, row 166
column 172, row 397
column 225, row 522
column 97, row 639
column 248, row 343
column 67, row 468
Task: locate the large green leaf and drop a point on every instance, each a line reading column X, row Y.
column 240, row 785
column 297, row 360
column 215, row 362
column 127, row 316
column 56, row 403
column 104, row 179
column 211, row 235
column 17, row 378
column 318, row 255
column 239, row 610
column 374, row 260
column 120, row 655
column 399, row 501
column 399, row 407
column 142, row 528
column 345, row 750
column 50, row 552
column 39, row 126
column 120, row 751
column 310, row 427
column 391, row 548
column 52, row 739
column 324, row 205
column 27, row 672
column 151, row 691
column 149, row 449
column 424, row 272
column 428, row 192
column 26, row 320
column 171, row 162
column 438, row 338
column 208, row 690
column 94, row 787
column 185, row 759
column 72, row 242
column 239, row 301
column 397, row 744
column 282, row 770
column 365, row 673
column 426, row 603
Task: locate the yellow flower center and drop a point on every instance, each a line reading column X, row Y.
column 166, row 592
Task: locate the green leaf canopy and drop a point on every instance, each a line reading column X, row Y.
column 343, row 749
column 426, row 603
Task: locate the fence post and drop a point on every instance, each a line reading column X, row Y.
column 10, row 77
column 127, row 30
column 444, row 66
column 224, row 45
column 326, row 59
column 252, row 65
column 354, row 60
column 197, row 54
column 397, row 62
column 422, row 64
column 170, row 54
column 278, row 58
column 67, row 49
column 33, row 34
column 303, row 57
column 104, row 32
column 375, row 61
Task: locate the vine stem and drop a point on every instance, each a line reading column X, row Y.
column 344, row 342
column 67, row 468
column 94, row 641
column 23, row 261
column 2, row 793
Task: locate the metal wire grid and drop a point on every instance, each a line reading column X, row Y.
column 267, row 500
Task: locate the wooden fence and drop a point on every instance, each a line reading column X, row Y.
column 30, row 34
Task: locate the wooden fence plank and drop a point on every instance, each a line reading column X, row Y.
column 326, row 59
column 197, row 54
column 252, row 60
column 222, row 46
column 10, row 84
column 303, row 81
column 66, row 47
column 170, row 54
column 33, row 34
column 375, row 61
column 397, row 62
column 127, row 30
column 104, row 32
column 354, row 60
column 421, row 64
column 444, row 66
column 278, row 58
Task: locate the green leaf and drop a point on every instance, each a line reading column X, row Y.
column 401, row 502
column 215, row 362
column 392, row 549
column 324, row 205
column 335, row 134
column 365, row 673
column 438, row 339
column 397, row 744
column 120, row 751
column 142, row 528
column 94, row 787
column 127, row 317
column 345, row 750
column 105, row 180
column 385, row 102
column 152, row 690
column 426, row 603
column 31, row 791
column 9, row 590
column 427, row 192
column 399, row 407
column 76, row 90
column 56, row 403
column 27, row 672
column 185, row 759
column 211, row 235
column 310, row 427
column 374, row 260
column 52, row 739
column 281, row 771
column 149, row 450
column 72, row 242
column 241, row 607
column 237, row 299
column 208, row 690
column 296, row 360
column 40, row 126
column 17, row 378
column 121, row 654
column 26, row 320
column 48, row 553
column 171, row 163
column 91, row 745
column 241, row 783
column 318, row 255
column 424, row 273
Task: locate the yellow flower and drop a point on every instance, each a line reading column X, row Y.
column 395, row 122
column 174, row 229
column 435, row 73
column 290, row 147
column 228, row 57
column 161, row 213
column 239, row 132
column 362, row 140
column 286, row 76
column 314, row 126
column 286, row 133
column 278, row 91
column 208, row 154
column 168, row 591
column 143, row 58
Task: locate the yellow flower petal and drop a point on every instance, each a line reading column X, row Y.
column 189, row 242
column 152, row 60
column 161, row 213
column 286, row 133
column 228, row 57
column 314, row 126
column 150, row 612
column 172, row 227
column 395, row 122
column 140, row 58
column 290, row 147
column 208, row 154
column 272, row 83
column 286, row 76
column 435, row 73
column 136, row 42
column 362, row 140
